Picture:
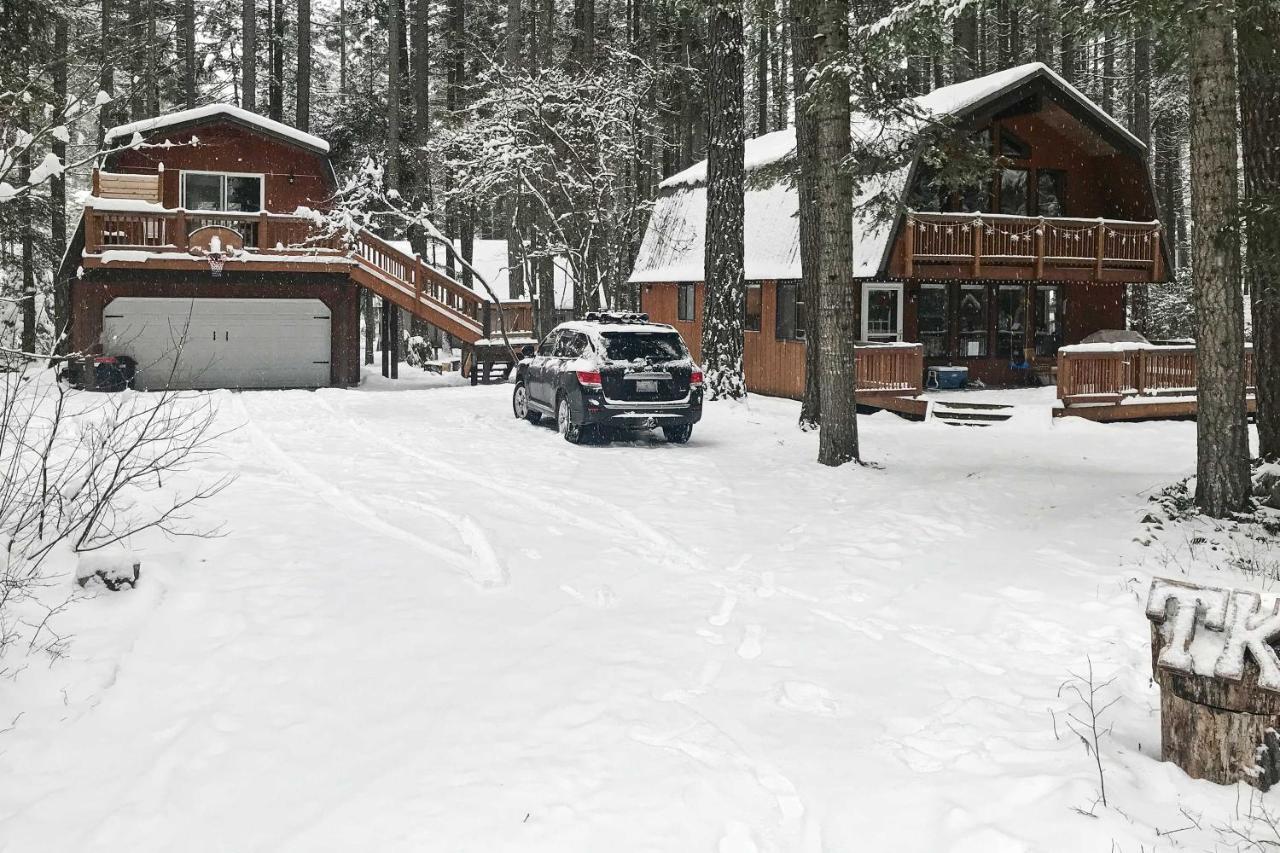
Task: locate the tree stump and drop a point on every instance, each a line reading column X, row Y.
column 1214, row 726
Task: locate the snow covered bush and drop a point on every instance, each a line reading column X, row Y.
column 80, row 472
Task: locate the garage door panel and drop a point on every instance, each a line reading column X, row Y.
column 221, row 343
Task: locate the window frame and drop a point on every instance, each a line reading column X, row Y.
column 1029, row 203
column 758, row 291
column 1060, row 189
column 222, row 191
column 867, row 287
column 1059, row 317
column 797, row 312
column 681, row 289
column 984, row 330
column 945, row 334
column 1018, row 343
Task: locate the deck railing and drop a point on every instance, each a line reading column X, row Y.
column 896, row 369
column 169, row 230
column 978, row 240
column 1087, row 375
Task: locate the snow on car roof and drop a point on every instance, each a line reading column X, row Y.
column 197, row 114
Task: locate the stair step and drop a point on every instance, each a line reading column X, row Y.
column 960, row 415
column 950, row 422
column 966, row 405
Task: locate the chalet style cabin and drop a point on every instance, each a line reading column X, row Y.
column 995, row 279
column 196, row 257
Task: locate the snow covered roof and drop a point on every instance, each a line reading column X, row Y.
column 198, row 115
column 672, row 249
column 489, row 257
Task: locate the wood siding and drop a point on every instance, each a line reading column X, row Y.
column 776, row 367
column 294, row 176
column 90, row 296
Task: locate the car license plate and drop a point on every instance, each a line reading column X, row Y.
column 647, row 386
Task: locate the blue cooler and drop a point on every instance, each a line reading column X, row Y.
column 946, row 378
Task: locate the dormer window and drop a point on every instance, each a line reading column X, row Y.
column 222, row 191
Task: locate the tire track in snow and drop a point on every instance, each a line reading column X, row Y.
column 493, row 574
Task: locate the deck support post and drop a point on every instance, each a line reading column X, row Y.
column 1040, row 249
column 977, row 247
column 384, row 337
column 1101, row 250
column 909, row 242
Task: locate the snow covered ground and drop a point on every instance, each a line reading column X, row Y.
column 430, row 626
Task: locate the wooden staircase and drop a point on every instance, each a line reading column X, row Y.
column 407, row 281
column 961, row 413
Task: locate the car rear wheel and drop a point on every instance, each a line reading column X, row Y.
column 678, row 434
column 520, row 404
column 564, row 422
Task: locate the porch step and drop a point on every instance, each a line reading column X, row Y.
column 971, row 414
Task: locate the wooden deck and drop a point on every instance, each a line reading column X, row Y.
column 1024, row 248
column 1134, row 383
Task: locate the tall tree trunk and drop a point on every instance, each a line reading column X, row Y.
column 151, row 55
column 303, row 95
column 804, row 59
column 248, row 54
column 1258, row 27
column 1069, row 19
column 1044, row 33
column 837, row 310
column 275, row 85
column 964, row 43
column 723, row 293
column 1222, row 439
column 763, row 25
column 136, row 62
column 187, row 40
column 57, row 184
column 27, row 240
column 107, row 74
column 421, row 74
column 342, row 50
column 393, row 97
column 1108, row 49
column 1140, row 295
column 778, row 66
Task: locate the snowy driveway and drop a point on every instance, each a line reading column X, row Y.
column 433, row 627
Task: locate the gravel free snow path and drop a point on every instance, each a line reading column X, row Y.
column 430, row 626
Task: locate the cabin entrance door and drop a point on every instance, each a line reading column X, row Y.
column 881, row 312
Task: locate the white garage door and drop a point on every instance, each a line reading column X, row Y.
column 221, row 343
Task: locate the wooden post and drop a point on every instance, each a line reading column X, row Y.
column 419, row 273
column 92, row 229
column 180, row 230
column 1101, row 249
column 977, row 249
column 1040, row 249
column 1157, row 260
column 393, row 315
column 97, row 183
column 384, row 329
column 1139, row 366
column 908, row 263
column 263, row 231
column 487, row 318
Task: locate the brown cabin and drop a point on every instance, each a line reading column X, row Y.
column 994, row 279
column 197, row 257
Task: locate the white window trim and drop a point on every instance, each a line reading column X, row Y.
column 262, row 187
column 866, row 304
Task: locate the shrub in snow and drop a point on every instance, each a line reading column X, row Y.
column 113, row 568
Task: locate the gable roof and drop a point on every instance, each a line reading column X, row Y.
column 211, row 112
column 672, row 248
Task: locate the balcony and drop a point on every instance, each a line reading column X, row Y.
column 116, row 224
column 1028, row 248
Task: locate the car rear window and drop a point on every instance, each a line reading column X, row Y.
column 644, row 346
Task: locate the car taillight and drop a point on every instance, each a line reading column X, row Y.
column 695, row 379
column 589, row 378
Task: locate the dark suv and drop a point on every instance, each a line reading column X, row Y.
column 611, row 371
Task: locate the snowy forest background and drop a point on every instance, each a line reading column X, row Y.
column 547, row 120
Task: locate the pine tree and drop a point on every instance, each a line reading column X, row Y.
column 724, row 295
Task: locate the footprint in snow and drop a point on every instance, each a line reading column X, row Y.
column 766, row 589
column 737, row 839
column 711, row 637
column 805, row 697
column 750, row 647
column 721, row 617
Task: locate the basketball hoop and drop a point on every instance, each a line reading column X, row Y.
column 216, row 260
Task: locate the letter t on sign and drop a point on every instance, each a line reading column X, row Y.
column 1184, row 602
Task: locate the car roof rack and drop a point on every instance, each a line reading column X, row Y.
column 617, row 317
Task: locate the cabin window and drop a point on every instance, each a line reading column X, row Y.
column 789, row 325
column 972, row 318
column 1015, row 192
column 1012, row 146
column 933, row 320
column 1051, row 192
column 1010, row 322
column 976, row 199
column 751, row 322
column 222, row 192
column 1048, row 319
column 684, row 302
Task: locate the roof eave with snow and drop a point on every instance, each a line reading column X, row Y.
column 182, row 119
